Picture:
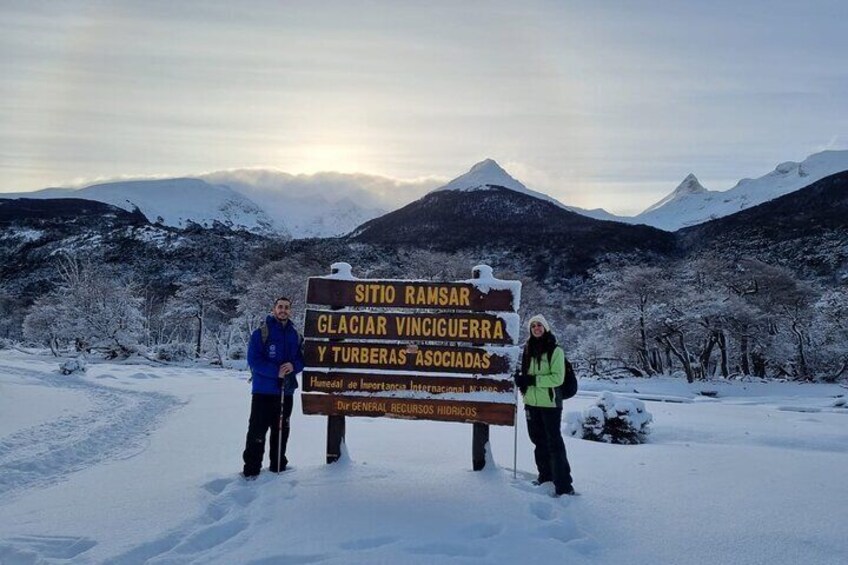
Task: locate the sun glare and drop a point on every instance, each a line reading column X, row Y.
column 315, row 158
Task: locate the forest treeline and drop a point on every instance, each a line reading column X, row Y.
column 709, row 318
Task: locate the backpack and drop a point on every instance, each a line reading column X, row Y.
column 568, row 388
column 263, row 333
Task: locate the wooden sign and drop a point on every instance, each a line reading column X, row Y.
column 410, row 408
column 411, row 349
column 339, row 293
column 339, row 382
column 397, row 357
column 452, row 327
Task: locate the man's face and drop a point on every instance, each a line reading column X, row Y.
column 282, row 310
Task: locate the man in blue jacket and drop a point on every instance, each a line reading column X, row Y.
column 275, row 358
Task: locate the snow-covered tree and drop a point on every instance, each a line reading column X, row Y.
column 93, row 308
column 259, row 289
column 635, row 298
column 196, row 299
column 830, row 334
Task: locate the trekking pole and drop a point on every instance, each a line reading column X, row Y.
column 280, row 424
column 515, row 438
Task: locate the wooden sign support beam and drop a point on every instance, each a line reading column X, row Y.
column 335, row 424
column 335, row 437
column 480, row 433
column 479, row 441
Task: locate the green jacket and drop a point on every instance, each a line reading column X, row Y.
column 548, row 377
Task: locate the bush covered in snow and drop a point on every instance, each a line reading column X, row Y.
column 174, row 352
column 611, row 420
column 73, row 366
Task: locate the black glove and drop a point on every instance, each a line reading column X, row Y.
column 522, row 381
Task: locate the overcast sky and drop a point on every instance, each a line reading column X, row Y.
column 597, row 103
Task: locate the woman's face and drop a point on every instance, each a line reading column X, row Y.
column 537, row 329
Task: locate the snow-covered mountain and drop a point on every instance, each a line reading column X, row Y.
column 689, row 187
column 690, row 203
column 175, row 202
column 487, row 212
column 321, row 204
column 487, row 174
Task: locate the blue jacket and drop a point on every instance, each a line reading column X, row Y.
column 283, row 346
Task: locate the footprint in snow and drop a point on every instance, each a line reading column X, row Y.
column 290, row 559
column 217, row 486
column 144, row 376
column 211, row 536
column 543, row 511
column 484, row 530
column 368, row 543
column 26, row 549
column 448, row 550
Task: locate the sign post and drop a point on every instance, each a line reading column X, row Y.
column 413, row 350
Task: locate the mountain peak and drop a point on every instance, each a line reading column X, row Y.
column 488, row 165
column 691, row 204
column 483, row 175
column 690, row 185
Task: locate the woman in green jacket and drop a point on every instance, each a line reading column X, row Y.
column 542, row 372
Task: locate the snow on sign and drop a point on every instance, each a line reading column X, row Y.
column 413, row 294
column 451, row 358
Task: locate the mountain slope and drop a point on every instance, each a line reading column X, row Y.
column 324, row 204
column 488, row 174
column 692, row 204
column 805, row 229
column 318, row 205
column 176, row 203
column 500, row 219
column 34, row 233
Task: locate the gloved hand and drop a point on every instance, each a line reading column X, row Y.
column 522, row 381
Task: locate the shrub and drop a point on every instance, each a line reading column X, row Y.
column 73, row 366
column 611, row 420
column 174, row 352
column 237, row 352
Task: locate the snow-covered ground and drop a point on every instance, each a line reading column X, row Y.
column 135, row 463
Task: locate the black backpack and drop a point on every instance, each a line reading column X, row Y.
column 568, row 388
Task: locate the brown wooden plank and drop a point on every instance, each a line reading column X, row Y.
column 454, row 327
column 338, row 382
column 339, row 293
column 396, row 357
column 409, row 408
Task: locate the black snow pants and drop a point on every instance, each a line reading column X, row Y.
column 265, row 410
column 543, row 425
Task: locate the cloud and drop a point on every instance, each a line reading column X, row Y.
column 369, row 191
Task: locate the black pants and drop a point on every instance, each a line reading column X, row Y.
column 265, row 412
column 543, row 424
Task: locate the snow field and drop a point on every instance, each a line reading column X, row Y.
column 736, row 479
